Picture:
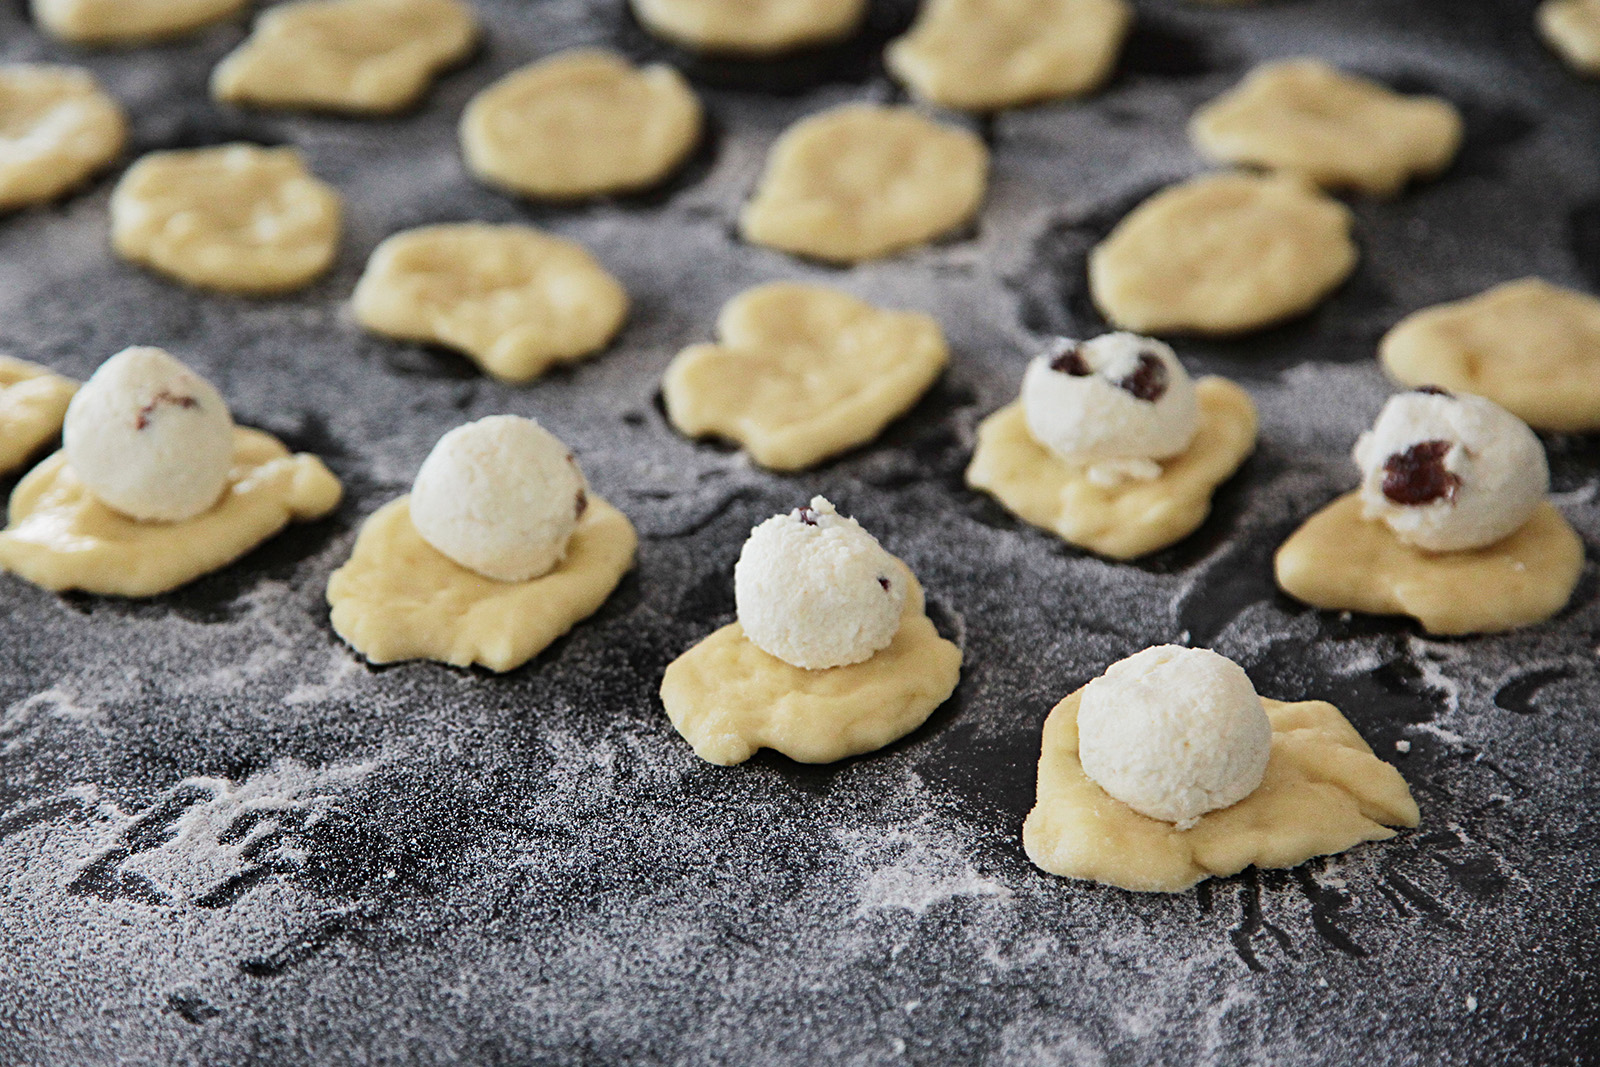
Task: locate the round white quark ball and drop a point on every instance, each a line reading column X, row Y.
column 149, row 437
column 1114, row 405
column 500, row 496
column 1174, row 732
column 1447, row 473
column 816, row 590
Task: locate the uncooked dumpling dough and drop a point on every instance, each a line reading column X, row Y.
column 238, row 218
column 1342, row 561
column 582, row 123
column 57, row 128
column 983, row 55
column 1572, row 29
column 1125, row 520
column 1324, row 792
column 802, row 373
column 1531, row 347
column 61, row 537
column 1338, row 130
column 515, row 300
column 400, row 598
column 750, row 27
column 358, row 56
column 862, row 181
column 113, row 22
column 1222, row 254
column 32, row 404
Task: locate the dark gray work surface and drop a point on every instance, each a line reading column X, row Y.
column 225, row 840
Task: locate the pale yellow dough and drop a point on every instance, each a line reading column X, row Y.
column 516, row 300
column 863, row 181
column 1340, row 561
column 802, row 373
column 57, row 129
column 1222, row 254
column 1324, row 792
column 1338, row 130
column 582, row 123
column 400, row 598
column 117, row 22
column 371, row 57
column 1531, row 347
column 750, row 27
column 238, row 218
column 1572, row 30
column 61, row 537
column 33, row 403
column 984, row 55
column 728, row 698
column 1134, row 518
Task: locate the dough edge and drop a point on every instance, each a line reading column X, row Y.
column 33, row 405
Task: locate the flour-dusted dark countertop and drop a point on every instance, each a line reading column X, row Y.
column 225, row 840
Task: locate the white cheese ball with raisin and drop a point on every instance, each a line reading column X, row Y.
column 816, row 590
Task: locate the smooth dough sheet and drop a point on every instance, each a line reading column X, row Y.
column 61, row 537
column 57, row 130
column 1572, row 30
column 237, row 219
column 399, row 598
column 1531, row 347
column 583, row 123
column 363, row 57
column 728, row 698
column 1324, row 792
column 1340, row 561
column 752, row 28
column 1222, row 254
column 33, row 403
column 1127, row 520
column 517, row 301
column 1338, row 130
column 863, row 181
column 802, row 373
column 984, row 55
column 122, row 22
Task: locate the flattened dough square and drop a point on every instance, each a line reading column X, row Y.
column 1128, row 520
column 61, row 537
column 728, row 698
column 33, row 404
column 399, row 598
column 751, row 28
column 1572, row 30
column 802, row 373
column 123, row 22
column 57, row 129
column 1324, row 792
column 1340, row 561
column 1531, row 347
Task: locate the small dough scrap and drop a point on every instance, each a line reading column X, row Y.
column 583, row 123
column 1338, row 130
column 61, row 537
column 237, row 219
column 1324, row 792
column 754, row 28
column 1127, row 520
column 33, row 403
column 984, row 55
column 803, row 373
column 121, row 22
column 364, row 57
column 728, row 698
column 516, row 300
column 1222, row 254
column 1340, row 561
column 1531, row 347
column 57, row 129
column 862, row 181
column 1572, row 30
column 400, row 598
